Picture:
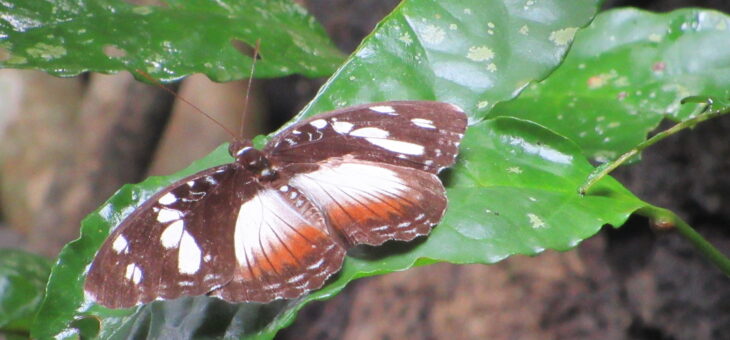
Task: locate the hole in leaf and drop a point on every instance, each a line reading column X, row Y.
column 114, row 51
column 245, row 48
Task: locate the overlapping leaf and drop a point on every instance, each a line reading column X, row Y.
column 472, row 53
column 68, row 37
column 23, row 278
column 626, row 72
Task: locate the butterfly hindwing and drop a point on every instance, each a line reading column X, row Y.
column 370, row 203
column 418, row 134
column 283, row 248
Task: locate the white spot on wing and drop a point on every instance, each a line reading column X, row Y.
column 319, row 123
column 383, row 109
column 170, row 237
column 167, row 215
column 398, row 146
column 120, row 244
column 188, row 259
column 424, row 123
column 378, row 137
column 296, row 278
column 342, row 127
column 370, row 132
column 316, row 264
column 133, row 273
column 167, row 199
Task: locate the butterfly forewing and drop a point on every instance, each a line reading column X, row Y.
column 417, row 134
column 172, row 245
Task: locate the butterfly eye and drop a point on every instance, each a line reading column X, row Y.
column 238, row 147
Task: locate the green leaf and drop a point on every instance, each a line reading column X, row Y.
column 626, row 72
column 470, row 53
column 423, row 50
column 68, row 37
column 23, row 278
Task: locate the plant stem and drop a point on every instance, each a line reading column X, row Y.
column 666, row 217
column 606, row 168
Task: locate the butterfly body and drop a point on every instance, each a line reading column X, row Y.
column 276, row 223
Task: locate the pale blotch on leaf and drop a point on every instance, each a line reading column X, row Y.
column 535, row 221
column 602, row 79
column 480, row 53
column 524, row 30
column 453, row 27
column 604, row 156
column 406, row 38
column 46, row 52
column 492, row 67
column 142, row 10
column 114, row 51
column 482, row 104
column 564, row 36
column 622, row 81
column 433, row 34
column 514, row 170
column 655, row 37
column 467, row 10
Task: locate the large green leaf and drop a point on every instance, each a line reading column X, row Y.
column 23, row 278
column 472, row 53
column 68, row 37
column 627, row 71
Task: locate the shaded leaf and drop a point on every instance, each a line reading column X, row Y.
column 68, row 37
column 627, row 71
column 23, row 278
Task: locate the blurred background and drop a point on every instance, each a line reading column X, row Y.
column 66, row 145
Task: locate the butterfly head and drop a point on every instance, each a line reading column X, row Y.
column 250, row 158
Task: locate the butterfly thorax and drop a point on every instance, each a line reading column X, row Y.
column 252, row 159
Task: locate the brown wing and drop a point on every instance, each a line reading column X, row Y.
column 418, row 134
column 177, row 243
column 370, row 203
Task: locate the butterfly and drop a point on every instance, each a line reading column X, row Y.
column 276, row 223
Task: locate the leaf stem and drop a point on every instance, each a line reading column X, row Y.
column 664, row 217
column 604, row 169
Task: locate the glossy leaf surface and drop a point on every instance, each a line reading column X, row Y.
column 68, row 37
column 23, row 278
column 626, row 72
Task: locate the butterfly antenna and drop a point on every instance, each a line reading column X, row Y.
column 250, row 79
column 156, row 82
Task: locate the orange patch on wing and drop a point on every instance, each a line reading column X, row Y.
column 344, row 214
column 297, row 245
